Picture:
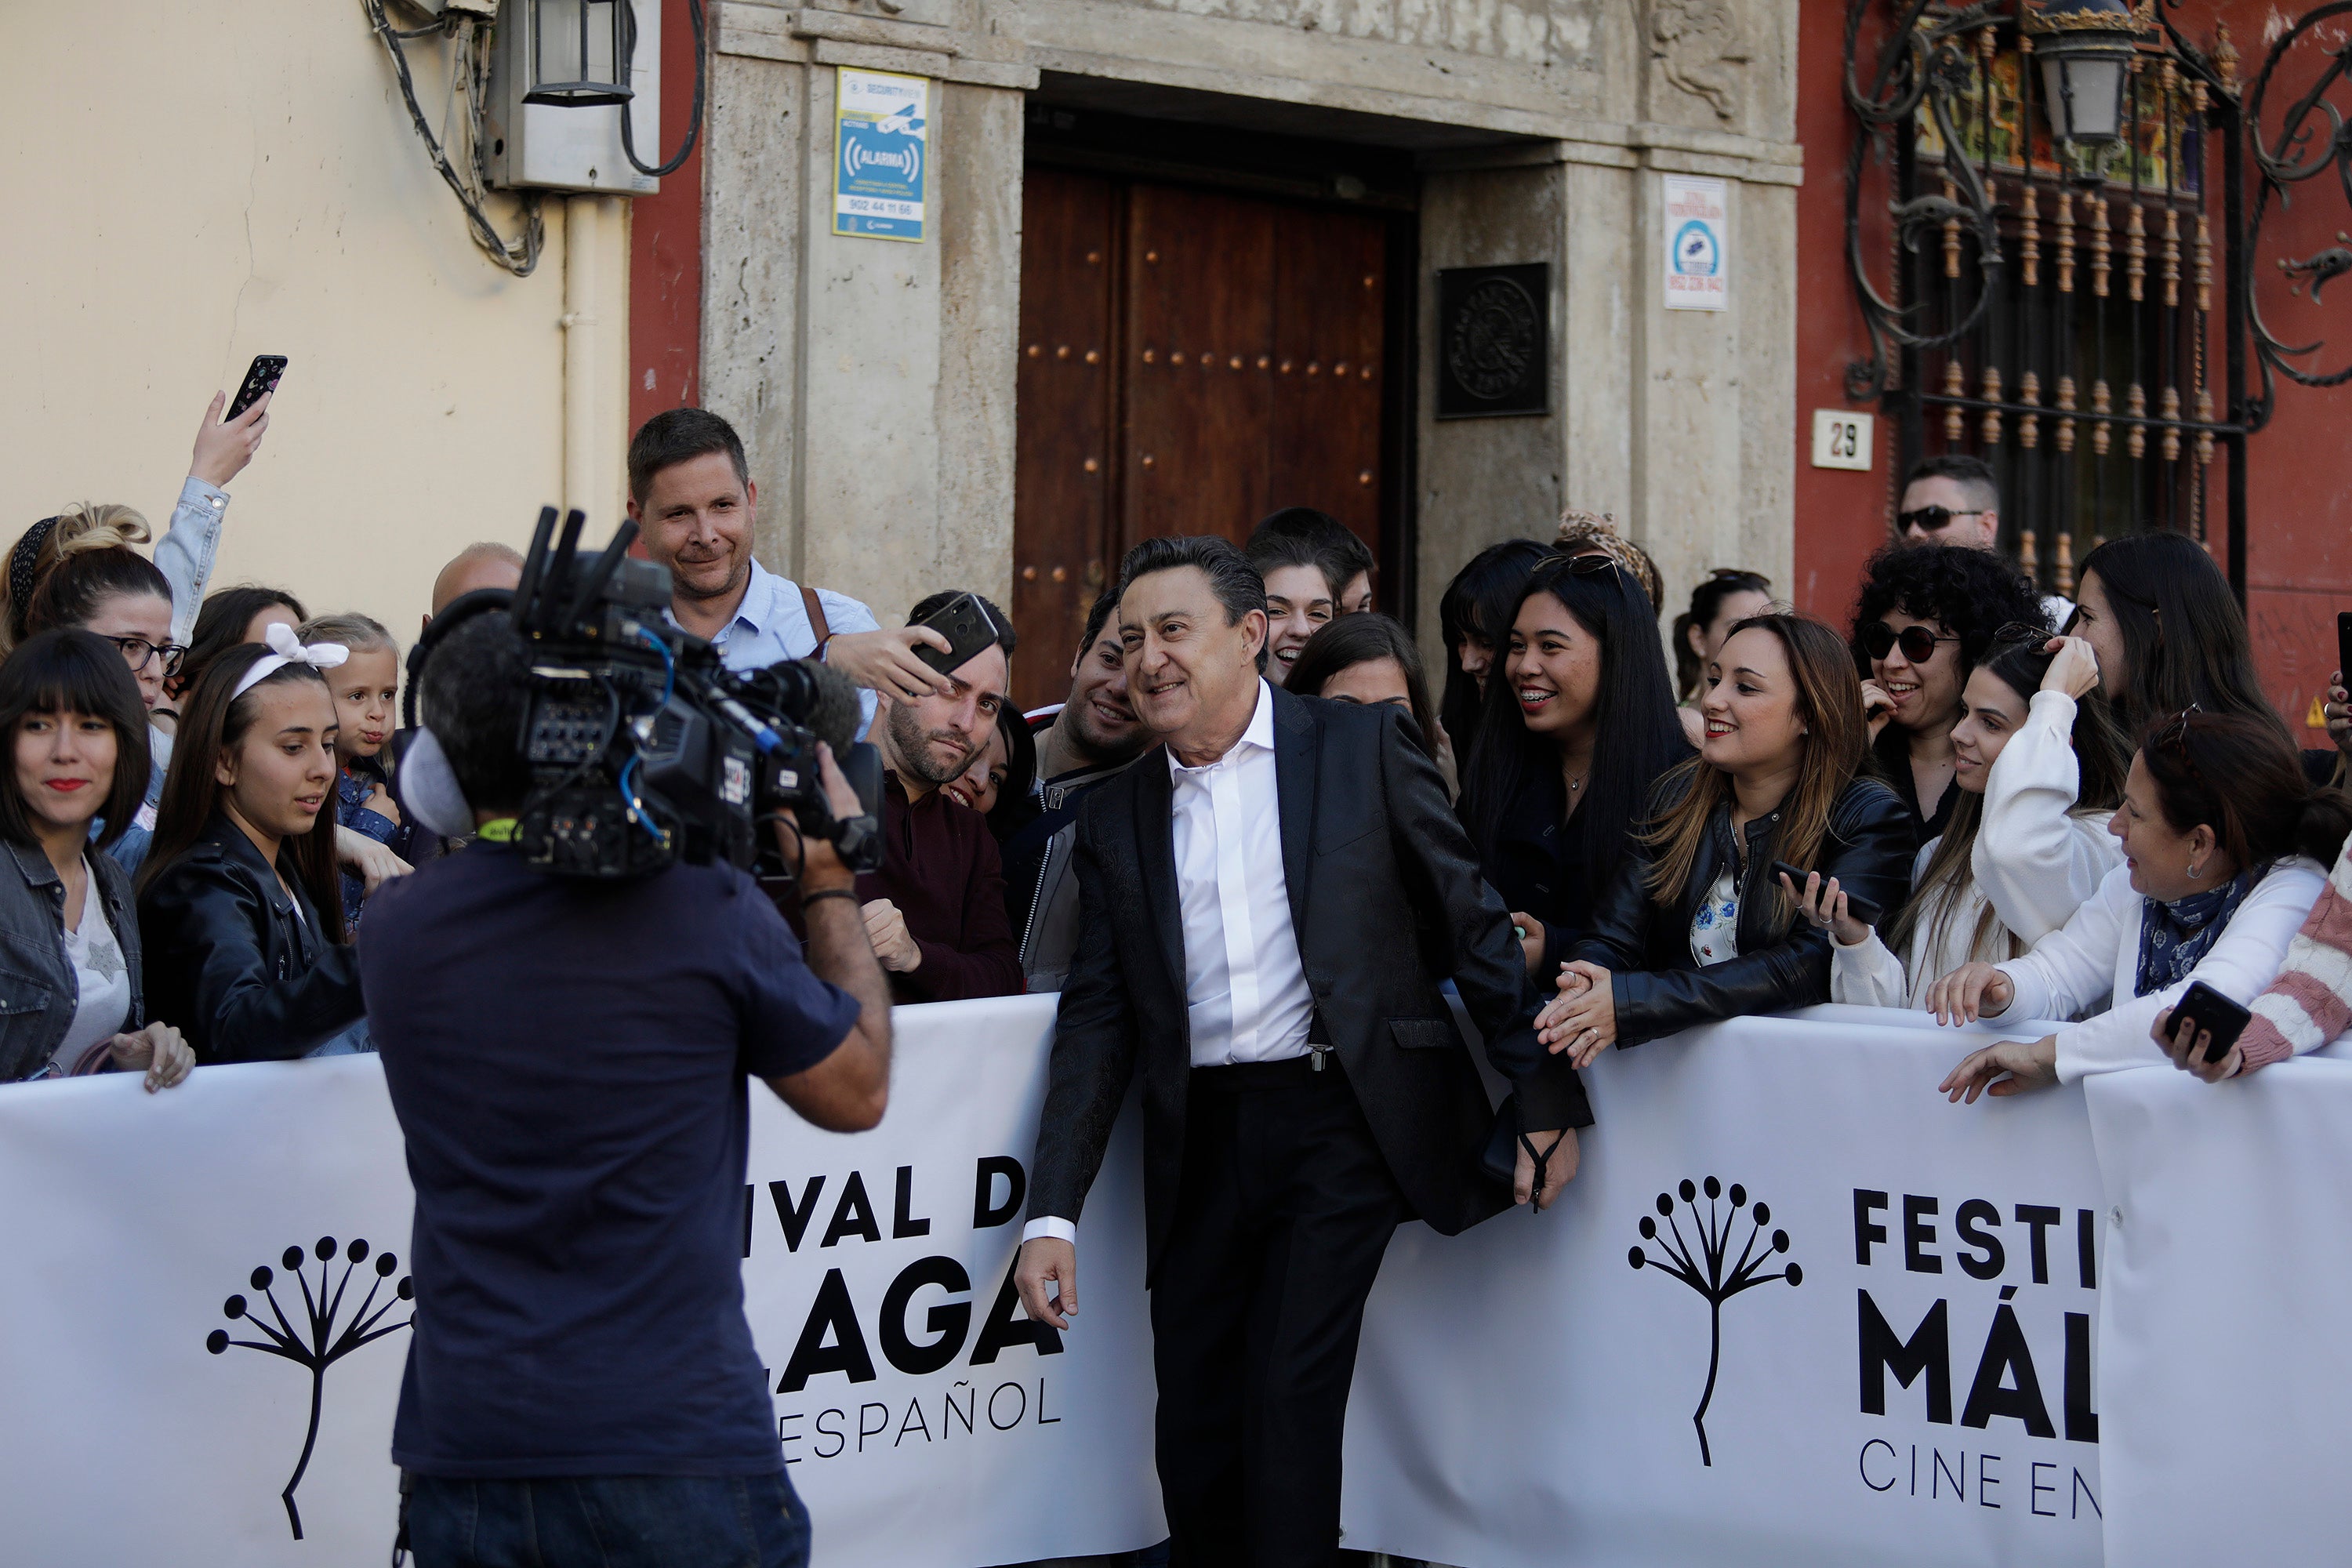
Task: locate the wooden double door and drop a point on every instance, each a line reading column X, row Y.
column 1189, row 362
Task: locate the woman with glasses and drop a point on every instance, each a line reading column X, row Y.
column 2038, row 765
column 1578, row 727
column 1926, row 618
column 2224, row 848
column 1695, row 926
column 77, row 570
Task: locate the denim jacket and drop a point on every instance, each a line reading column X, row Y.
column 353, row 786
column 38, row 995
column 189, row 547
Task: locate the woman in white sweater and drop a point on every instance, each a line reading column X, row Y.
column 2040, row 765
column 2224, row 843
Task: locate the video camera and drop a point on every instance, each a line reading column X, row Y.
column 644, row 748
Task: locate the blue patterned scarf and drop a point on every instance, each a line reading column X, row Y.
column 2173, row 937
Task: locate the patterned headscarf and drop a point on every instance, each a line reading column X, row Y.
column 1582, row 532
column 2173, row 937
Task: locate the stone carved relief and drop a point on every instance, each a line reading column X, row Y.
column 1698, row 47
column 1530, row 32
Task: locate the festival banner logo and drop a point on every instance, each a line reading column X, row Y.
column 321, row 1334
column 1704, row 1261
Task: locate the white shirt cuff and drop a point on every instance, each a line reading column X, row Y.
column 1049, row 1225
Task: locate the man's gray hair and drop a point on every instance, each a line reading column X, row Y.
column 1231, row 576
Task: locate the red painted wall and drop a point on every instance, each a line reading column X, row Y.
column 2299, row 485
column 666, row 249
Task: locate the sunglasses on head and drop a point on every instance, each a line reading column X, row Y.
column 1931, row 518
column 1917, row 643
column 2173, row 736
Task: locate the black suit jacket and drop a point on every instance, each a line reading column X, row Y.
column 1386, row 901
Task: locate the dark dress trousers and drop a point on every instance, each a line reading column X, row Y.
column 1271, row 1190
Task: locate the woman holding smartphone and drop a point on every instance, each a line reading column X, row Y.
column 239, row 899
column 2224, row 844
column 2040, row 768
column 1695, row 926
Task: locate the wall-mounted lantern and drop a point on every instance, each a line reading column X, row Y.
column 2085, row 49
column 579, row 51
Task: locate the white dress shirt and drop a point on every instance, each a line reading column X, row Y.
column 1245, row 991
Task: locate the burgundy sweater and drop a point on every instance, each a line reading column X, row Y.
column 940, row 867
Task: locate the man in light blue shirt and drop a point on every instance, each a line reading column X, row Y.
column 691, row 496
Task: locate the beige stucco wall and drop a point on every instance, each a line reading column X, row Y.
column 192, row 185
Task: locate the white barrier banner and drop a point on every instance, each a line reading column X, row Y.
column 1795, row 1309
column 152, row 1418
column 2224, row 1365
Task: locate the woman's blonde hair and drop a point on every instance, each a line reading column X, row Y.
column 361, row 633
column 76, row 530
column 1829, row 704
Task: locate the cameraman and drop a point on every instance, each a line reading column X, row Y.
column 569, row 1060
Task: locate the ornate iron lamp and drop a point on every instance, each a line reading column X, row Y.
column 2085, row 48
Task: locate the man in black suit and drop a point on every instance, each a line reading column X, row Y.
column 1266, row 911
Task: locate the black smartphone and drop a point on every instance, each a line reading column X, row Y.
column 965, row 622
column 260, row 379
column 2215, row 1013
column 1857, row 906
column 2344, row 645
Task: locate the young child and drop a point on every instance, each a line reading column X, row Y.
column 364, row 688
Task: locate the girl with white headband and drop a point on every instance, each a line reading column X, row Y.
column 239, row 905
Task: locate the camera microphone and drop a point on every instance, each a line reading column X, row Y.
column 835, row 713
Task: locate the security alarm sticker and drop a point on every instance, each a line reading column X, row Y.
column 882, row 152
column 1697, row 219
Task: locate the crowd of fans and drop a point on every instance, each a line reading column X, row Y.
column 2049, row 809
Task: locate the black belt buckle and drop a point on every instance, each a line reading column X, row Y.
column 1318, row 1051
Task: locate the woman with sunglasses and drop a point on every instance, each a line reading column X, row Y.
column 1579, row 728
column 1695, row 926
column 1926, row 616
column 2224, row 844
column 2039, row 768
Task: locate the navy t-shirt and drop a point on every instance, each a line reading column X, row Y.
column 570, row 1063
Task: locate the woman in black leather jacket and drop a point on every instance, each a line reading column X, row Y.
column 1695, row 927
column 239, row 899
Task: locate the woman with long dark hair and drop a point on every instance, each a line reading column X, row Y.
column 2168, row 631
column 2225, row 849
column 1474, row 616
column 78, row 745
column 1578, row 727
column 1370, row 659
column 1728, row 596
column 239, row 900
column 232, row 617
column 2040, row 768
column 1926, row 617
column 1695, row 926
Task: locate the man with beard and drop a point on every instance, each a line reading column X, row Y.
column 691, row 495
column 935, row 913
column 1087, row 741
